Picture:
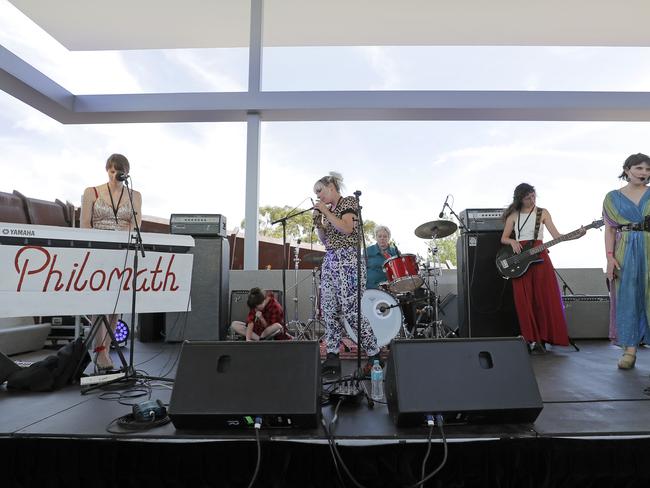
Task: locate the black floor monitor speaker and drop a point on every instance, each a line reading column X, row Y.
column 465, row 380
column 208, row 318
column 486, row 307
column 228, row 384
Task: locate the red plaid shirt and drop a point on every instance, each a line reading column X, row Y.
column 272, row 313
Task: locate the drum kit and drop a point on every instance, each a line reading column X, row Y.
column 411, row 286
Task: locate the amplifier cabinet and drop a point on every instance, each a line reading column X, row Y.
column 208, row 317
column 482, row 219
column 198, row 225
column 587, row 316
column 486, row 306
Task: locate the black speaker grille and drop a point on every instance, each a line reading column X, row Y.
column 465, row 380
column 486, row 306
column 219, row 384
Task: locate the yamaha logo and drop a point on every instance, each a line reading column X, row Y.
column 19, row 232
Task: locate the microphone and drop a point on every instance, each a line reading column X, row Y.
column 442, row 212
column 121, row 176
column 383, row 307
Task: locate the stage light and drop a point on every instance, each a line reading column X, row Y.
column 121, row 332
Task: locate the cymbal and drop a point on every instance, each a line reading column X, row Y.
column 436, row 229
column 314, row 258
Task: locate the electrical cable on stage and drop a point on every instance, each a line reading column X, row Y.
column 438, row 420
column 131, row 425
column 257, row 425
column 431, row 424
column 332, row 441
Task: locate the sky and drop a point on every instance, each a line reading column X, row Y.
column 404, row 170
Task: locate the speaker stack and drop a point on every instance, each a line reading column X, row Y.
column 208, row 318
column 486, row 306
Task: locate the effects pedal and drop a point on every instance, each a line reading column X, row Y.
column 347, row 391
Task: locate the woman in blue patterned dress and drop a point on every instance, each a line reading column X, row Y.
column 627, row 247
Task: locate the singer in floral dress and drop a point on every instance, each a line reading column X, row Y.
column 336, row 222
column 107, row 207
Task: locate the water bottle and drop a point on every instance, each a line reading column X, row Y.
column 377, row 381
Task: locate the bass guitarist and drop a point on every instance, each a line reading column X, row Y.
column 536, row 293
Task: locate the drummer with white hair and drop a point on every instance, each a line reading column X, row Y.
column 377, row 254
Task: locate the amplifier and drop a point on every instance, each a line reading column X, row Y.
column 585, row 298
column 587, row 316
column 482, row 219
column 198, row 224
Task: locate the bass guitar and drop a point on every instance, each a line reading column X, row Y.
column 511, row 265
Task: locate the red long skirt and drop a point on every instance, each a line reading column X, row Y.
column 539, row 304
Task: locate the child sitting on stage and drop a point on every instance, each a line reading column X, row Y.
column 265, row 320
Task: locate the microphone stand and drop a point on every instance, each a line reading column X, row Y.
column 565, row 285
column 460, row 222
column 467, row 231
column 361, row 241
column 130, row 374
column 285, row 262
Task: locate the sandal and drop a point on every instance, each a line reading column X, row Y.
column 627, row 360
column 103, row 363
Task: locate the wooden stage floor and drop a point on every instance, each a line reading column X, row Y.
column 584, row 394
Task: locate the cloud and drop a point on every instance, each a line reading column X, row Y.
column 385, row 67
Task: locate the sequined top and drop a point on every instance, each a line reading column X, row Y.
column 104, row 218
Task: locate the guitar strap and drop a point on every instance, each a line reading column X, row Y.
column 538, row 222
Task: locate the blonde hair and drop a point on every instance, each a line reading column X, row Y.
column 333, row 178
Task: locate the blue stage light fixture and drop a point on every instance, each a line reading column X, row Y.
column 121, row 332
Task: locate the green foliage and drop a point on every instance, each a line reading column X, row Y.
column 446, row 249
column 299, row 227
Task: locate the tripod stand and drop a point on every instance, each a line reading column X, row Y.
column 434, row 326
column 98, row 322
column 300, row 328
column 315, row 324
column 285, row 264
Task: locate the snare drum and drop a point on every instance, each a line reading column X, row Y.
column 402, row 273
column 384, row 314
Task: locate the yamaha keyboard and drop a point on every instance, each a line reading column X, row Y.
column 52, row 236
column 49, row 270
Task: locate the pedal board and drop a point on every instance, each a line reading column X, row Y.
column 348, row 391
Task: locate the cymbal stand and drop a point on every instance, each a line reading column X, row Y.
column 300, row 329
column 435, row 328
column 315, row 325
